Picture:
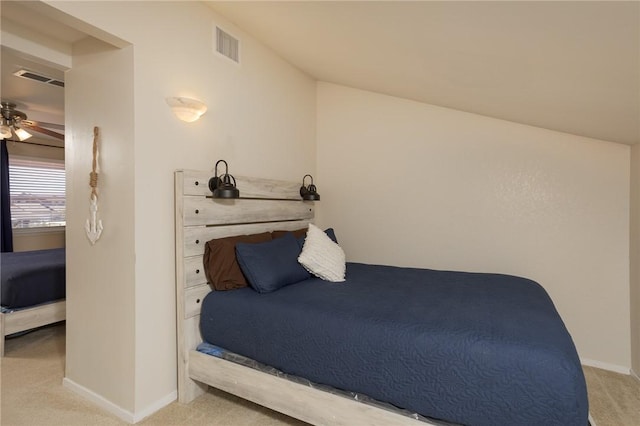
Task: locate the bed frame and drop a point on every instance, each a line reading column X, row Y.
column 265, row 205
column 26, row 319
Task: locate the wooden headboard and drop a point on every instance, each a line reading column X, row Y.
column 264, row 205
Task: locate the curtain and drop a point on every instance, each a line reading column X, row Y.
column 5, row 230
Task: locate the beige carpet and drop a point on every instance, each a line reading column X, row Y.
column 614, row 399
column 32, row 394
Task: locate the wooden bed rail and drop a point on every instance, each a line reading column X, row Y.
column 26, row 319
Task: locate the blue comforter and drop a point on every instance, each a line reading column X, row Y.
column 474, row 349
column 30, row 278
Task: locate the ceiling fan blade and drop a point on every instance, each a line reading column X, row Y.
column 43, row 124
column 44, row 131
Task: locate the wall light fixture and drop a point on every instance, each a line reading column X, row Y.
column 187, row 109
column 309, row 192
column 222, row 187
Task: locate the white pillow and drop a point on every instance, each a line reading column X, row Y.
column 322, row 257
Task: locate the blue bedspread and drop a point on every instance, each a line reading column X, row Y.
column 474, row 349
column 30, row 278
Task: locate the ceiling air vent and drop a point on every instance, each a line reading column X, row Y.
column 227, row 45
column 30, row 75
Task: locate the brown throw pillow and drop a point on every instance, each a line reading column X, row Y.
column 298, row 233
column 220, row 265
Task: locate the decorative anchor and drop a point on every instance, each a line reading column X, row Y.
column 93, row 226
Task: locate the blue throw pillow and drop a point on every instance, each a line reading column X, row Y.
column 271, row 265
column 330, row 233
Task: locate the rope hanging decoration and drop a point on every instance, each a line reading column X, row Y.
column 93, row 226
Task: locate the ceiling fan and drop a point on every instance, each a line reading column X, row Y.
column 15, row 122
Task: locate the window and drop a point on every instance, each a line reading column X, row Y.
column 37, row 190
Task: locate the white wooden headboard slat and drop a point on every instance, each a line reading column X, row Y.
column 195, row 237
column 194, row 271
column 207, row 211
column 193, row 299
column 197, row 183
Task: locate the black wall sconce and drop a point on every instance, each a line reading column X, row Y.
column 309, row 193
column 222, row 187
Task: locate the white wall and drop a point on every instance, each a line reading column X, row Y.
column 635, row 260
column 28, row 240
column 101, row 278
column 406, row 183
column 261, row 119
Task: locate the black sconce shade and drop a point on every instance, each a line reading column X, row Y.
column 309, row 193
column 222, row 187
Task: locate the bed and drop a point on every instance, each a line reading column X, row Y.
column 433, row 361
column 32, row 290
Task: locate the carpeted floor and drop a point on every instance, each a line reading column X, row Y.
column 31, row 393
column 614, row 399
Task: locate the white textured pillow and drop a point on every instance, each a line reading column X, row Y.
column 322, row 257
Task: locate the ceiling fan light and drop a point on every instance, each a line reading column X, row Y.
column 22, row 134
column 5, row 131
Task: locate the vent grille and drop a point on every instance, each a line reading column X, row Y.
column 30, row 75
column 227, row 45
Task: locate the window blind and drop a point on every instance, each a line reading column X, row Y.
column 37, row 192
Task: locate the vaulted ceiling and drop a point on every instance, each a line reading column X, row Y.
column 567, row 66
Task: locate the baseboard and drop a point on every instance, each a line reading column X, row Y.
column 635, row 375
column 606, row 366
column 156, row 406
column 100, row 401
column 114, row 409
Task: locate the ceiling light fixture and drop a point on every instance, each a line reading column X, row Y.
column 5, row 131
column 22, row 134
column 11, row 119
column 187, row 109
